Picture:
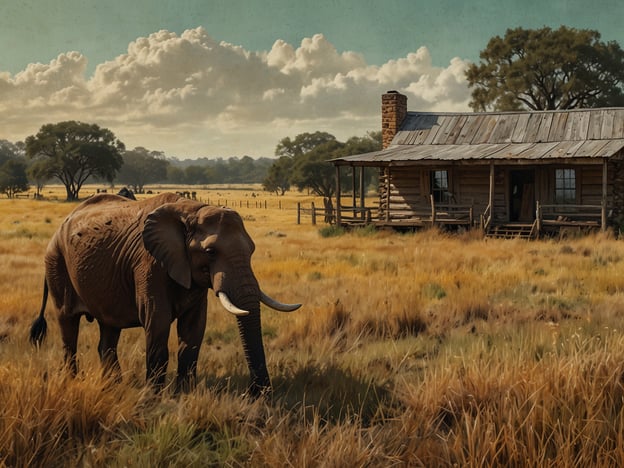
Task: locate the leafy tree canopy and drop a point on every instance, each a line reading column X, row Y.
column 234, row 170
column 545, row 69
column 306, row 166
column 13, row 177
column 313, row 171
column 75, row 151
column 38, row 173
column 142, row 167
column 10, row 150
column 302, row 143
column 278, row 177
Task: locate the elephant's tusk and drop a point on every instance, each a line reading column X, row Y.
column 227, row 304
column 273, row 304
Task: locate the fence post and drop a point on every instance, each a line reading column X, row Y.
column 538, row 218
column 313, row 215
column 298, row 213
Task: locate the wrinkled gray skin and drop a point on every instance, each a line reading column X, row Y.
column 145, row 264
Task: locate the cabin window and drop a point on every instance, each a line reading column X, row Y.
column 565, row 186
column 440, row 186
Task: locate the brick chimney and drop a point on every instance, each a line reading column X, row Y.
column 393, row 111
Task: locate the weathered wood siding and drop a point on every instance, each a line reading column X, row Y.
column 405, row 195
column 402, row 195
column 408, row 197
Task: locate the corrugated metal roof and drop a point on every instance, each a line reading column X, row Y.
column 579, row 133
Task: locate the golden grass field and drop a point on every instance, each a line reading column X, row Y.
column 423, row 349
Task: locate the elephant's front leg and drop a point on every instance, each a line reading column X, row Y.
column 107, row 349
column 157, row 351
column 191, row 327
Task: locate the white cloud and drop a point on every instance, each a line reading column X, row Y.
column 191, row 95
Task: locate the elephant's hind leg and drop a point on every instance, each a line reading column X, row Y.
column 107, row 348
column 70, row 325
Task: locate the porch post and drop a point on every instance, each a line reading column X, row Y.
column 491, row 196
column 338, row 214
column 353, row 169
column 362, row 190
column 603, row 203
column 387, row 171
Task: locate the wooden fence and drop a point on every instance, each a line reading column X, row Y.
column 315, row 213
column 260, row 204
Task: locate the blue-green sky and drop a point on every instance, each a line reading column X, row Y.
column 365, row 46
column 38, row 30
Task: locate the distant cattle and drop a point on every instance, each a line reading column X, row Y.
column 187, row 194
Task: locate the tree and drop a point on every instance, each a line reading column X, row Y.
column 13, row 177
column 195, row 175
column 75, row 151
column 142, row 167
column 302, row 143
column 10, row 150
column 39, row 173
column 175, row 175
column 360, row 145
column 547, row 69
column 278, row 177
column 296, row 165
column 312, row 169
column 304, row 161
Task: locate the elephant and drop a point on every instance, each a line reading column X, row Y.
column 146, row 264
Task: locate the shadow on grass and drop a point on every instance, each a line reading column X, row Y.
column 327, row 392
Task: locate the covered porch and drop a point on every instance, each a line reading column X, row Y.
column 503, row 198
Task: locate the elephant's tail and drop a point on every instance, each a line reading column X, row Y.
column 39, row 327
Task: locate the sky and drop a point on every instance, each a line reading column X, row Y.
column 212, row 78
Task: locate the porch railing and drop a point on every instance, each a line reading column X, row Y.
column 434, row 213
column 356, row 215
column 569, row 215
column 451, row 214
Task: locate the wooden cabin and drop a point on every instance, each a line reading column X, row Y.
column 510, row 173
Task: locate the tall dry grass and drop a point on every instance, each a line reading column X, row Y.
column 423, row 349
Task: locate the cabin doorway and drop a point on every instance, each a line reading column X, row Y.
column 522, row 195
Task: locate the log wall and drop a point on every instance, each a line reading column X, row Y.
column 616, row 173
column 404, row 192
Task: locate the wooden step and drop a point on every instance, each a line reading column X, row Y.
column 511, row 231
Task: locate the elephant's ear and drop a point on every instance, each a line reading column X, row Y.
column 164, row 238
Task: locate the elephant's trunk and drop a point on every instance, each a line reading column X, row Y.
column 245, row 296
column 250, row 329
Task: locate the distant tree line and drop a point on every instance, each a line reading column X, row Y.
column 234, row 170
column 75, row 153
